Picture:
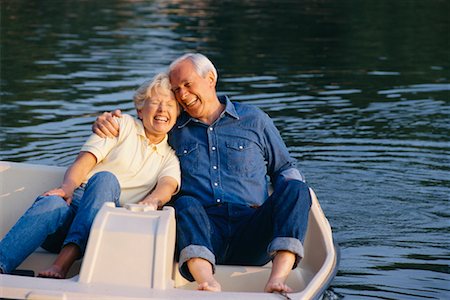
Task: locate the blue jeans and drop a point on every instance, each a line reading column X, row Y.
column 241, row 235
column 52, row 224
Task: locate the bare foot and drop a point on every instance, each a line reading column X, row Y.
column 281, row 266
column 55, row 272
column 69, row 253
column 274, row 286
column 202, row 271
column 210, row 286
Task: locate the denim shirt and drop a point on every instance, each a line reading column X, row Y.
column 232, row 159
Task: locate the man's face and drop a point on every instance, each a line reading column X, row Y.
column 194, row 93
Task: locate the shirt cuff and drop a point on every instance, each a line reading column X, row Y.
column 287, row 244
column 194, row 251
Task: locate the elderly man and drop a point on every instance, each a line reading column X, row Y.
column 227, row 153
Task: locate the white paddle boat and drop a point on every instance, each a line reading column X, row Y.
column 130, row 253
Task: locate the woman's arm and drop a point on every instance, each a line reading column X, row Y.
column 74, row 176
column 162, row 193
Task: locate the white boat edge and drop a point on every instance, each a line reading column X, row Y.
column 20, row 183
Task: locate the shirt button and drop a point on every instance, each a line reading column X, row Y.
column 215, row 167
column 185, row 151
column 213, row 148
column 240, row 147
column 211, row 129
column 218, row 200
column 216, row 184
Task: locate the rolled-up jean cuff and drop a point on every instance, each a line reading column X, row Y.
column 287, row 244
column 81, row 245
column 194, row 251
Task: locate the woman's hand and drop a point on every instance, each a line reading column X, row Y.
column 61, row 193
column 154, row 203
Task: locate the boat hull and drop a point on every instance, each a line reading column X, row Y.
column 22, row 182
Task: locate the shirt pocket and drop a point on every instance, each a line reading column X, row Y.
column 188, row 156
column 243, row 158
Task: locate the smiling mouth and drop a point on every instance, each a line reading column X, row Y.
column 190, row 103
column 161, row 119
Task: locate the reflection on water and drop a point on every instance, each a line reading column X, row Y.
column 358, row 89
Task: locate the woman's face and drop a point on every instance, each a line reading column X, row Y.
column 159, row 114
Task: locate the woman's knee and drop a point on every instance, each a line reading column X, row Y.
column 104, row 180
column 50, row 203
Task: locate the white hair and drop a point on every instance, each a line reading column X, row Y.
column 201, row 64
column 148, row 89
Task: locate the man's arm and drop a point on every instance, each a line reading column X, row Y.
column 280, row 164
column 105, row 125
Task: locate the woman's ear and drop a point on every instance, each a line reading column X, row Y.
column 139, row 113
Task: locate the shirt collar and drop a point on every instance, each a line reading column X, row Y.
column 230, row 110
column 161, row 147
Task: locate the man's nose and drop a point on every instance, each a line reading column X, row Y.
column 182, row 92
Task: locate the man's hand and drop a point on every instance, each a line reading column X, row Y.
column 106, row 126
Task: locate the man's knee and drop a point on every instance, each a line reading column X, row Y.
column 298, row 190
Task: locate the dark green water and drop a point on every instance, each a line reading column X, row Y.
column 360, row 91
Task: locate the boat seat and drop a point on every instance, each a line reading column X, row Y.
column 130, row 246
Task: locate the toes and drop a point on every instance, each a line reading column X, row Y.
column 54, row 275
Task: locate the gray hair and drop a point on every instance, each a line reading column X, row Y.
column 201, row 64
column 147, row 89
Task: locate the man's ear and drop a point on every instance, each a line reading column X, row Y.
column 212, row 79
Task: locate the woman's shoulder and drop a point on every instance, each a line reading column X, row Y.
column 126, row 120
column 128, row 124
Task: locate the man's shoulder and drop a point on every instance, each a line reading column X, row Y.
column 245, row 109
column 251, row 115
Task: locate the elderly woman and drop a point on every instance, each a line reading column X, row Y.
column 138, row 166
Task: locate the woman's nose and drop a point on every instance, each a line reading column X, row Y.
column 162, row 107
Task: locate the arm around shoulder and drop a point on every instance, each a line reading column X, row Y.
column 105, row 125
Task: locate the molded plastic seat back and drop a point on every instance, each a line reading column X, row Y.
column 130, row 247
